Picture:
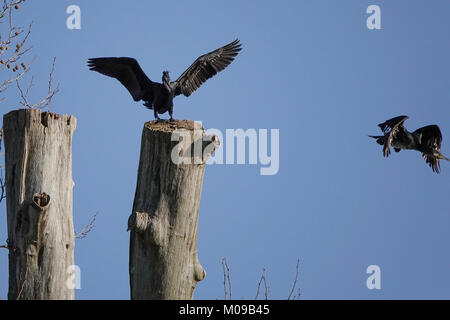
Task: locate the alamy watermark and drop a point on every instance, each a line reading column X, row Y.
column 241, row 147
column 73, row 280
column 374, row 280
column 373, row 22
column 74, row 19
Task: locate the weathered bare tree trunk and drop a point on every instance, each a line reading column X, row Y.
column 164, row 221
column 38, row 159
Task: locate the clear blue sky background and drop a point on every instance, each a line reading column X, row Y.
column 309, row 68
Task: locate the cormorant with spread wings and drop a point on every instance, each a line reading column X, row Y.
column 159, row 96
column 426, row 140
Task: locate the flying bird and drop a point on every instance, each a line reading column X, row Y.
column 426, row 140
column 159, row 96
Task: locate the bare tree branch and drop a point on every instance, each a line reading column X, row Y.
column 86, row 229
column 10, row 59
column 259, row 284
column 8, row 5
column 46, row 100
column 266, row 287
column 295, row 280
column 226, row 279
column 12, row 55
column 262, row 281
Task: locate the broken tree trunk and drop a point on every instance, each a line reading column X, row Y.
column 38, row 160
column 164, row 221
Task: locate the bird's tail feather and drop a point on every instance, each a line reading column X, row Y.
column 380, row 139
column 441, row 156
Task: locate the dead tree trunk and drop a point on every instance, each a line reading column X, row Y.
column 38, row 159
column 164, row 221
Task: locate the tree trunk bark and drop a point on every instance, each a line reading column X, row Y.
column 164, row 221
column 38, row 159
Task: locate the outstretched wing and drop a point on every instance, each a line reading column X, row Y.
column 431, row 139
column 127, row 71
column 388, row 125
column 205, row 67
column 391, row 128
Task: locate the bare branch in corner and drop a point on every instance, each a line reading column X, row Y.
column 12, row 57
column 14, row 60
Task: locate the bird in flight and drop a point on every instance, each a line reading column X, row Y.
column 159, row 96
column 426, row 140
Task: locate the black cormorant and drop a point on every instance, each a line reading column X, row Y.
column 426, row 140
column 159, row 96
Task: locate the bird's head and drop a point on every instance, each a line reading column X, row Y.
column 166, row 77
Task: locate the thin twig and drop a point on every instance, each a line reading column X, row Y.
column 12, row 51
column 226, row 278
column 14, row 58
column 86, row 229
column 259, row 285
column 266, row 287
column 224, row 281
column 47, row 99
column 299, row 293
column 8, row 6
column 295, row 280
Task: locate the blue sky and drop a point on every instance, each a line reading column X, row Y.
column 311, row 69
